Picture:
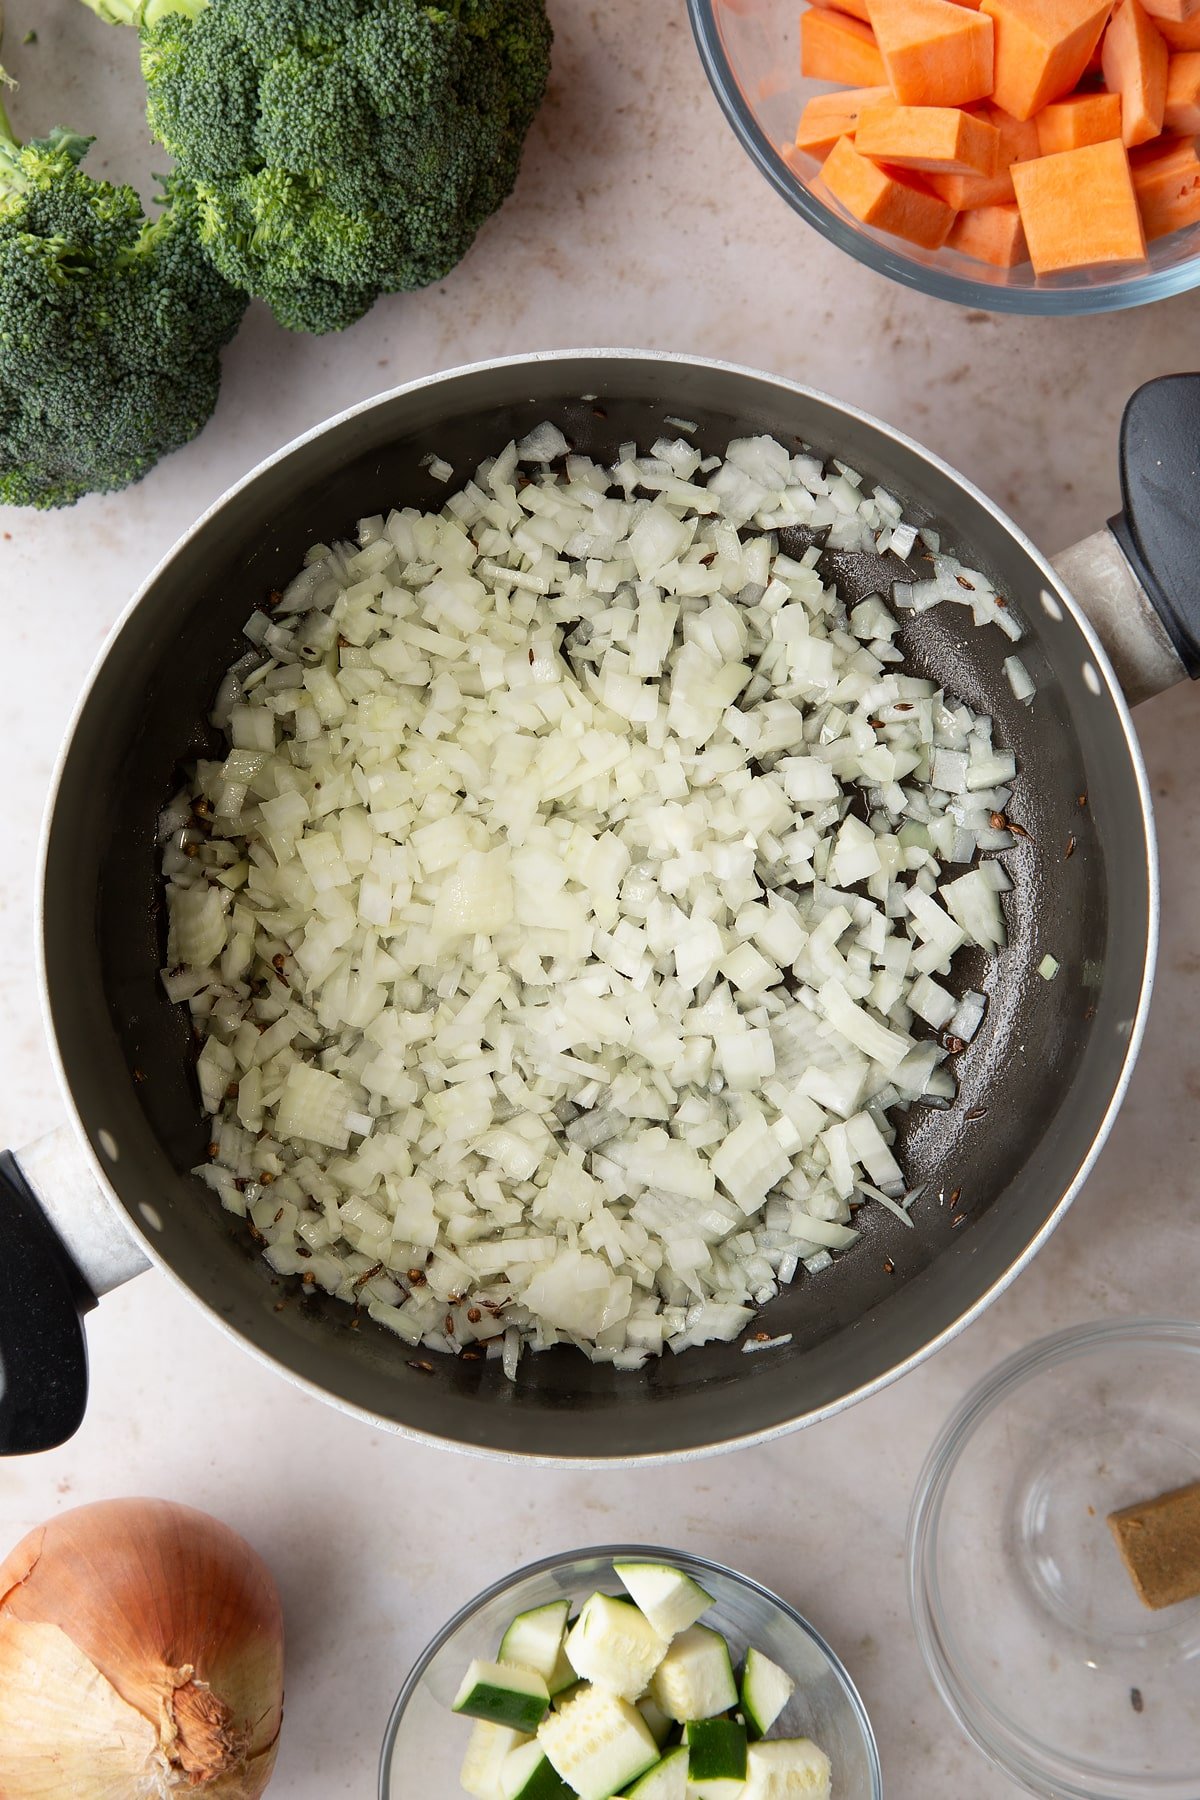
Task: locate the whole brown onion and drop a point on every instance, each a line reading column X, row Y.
column 141, row 1654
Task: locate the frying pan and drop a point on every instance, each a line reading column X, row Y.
column 1039, row 1086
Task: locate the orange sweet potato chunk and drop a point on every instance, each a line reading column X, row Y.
column 1079, row 208
column 893, row 200
column 990, row 234
column 1018, row 143
column 1166, row 180
column 1179, row 11
column 1079, row 119
column 941, row 139
column 1134, row 59
column 1180, row 34
column 856, row 8
column 1182, row 110
column 1042, row 48
column 935, row 53
column 835, row 47
column 828, row 117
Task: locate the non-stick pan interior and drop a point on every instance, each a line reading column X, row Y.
column 1036, row 1086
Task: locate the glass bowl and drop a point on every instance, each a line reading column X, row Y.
column 424, row 1743
column 751, row 54
column 1024, row 1611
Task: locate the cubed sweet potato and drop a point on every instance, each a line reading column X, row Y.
column 1079, row 119
column 943, row 139
column 1166, row 180
column 1042, row 48
column 894, row 200
column 835, row 47
column 990, row 234
column 1134, row 59
column 1079, row 209
column 934, row 52
column 828, row 117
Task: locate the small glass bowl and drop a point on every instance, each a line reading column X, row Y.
column 1025, row 1614
column 751, row 54
column 424, row 1743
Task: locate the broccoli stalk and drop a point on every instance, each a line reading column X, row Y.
column 340, row 149
column 110, row 325
column 8, row 137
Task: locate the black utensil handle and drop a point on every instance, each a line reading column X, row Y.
column 43, row 1352
column 1159, row 527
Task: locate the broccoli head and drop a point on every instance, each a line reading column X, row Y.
column 110, row 326
column 340, row 149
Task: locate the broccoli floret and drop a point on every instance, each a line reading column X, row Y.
column 340, row 149
column 110, row 325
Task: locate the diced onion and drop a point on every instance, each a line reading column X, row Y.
column 568, row 914
column 968, row 1016
column 1019, row 679
column 766, row 1343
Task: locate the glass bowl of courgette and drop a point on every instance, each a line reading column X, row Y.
column 628, row 1669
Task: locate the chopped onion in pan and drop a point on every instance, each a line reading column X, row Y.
column 1019, row 679
column 572, row 911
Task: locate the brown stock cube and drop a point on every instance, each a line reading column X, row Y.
column 1159, row 1541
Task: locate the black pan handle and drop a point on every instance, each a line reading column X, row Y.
column 43, row 1297
column 1159, row 525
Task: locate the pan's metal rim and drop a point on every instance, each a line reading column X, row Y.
column 693, row 1452
column 609, row 1553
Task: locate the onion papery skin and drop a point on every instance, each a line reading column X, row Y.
column 141, row 1655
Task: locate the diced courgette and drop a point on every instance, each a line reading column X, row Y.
column 694, row 1680
column 716, row 1758
column 595, row 1707
column 562, row 1675
column 667, row 1780
column 598, row 1743
column 528, row 1774
column 613, row 1644
column 786, row 1769
column 670, row 1599
column 660, row 1726
column 504, row 1695
column 487, row 1749
column 766, row 1690
column 534, row 1639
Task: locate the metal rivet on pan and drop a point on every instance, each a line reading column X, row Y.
column 1091, row 680
column 108, row 1145
column 1050, row 604
column 151, row 1215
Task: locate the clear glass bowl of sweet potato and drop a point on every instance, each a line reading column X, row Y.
column 1034, row 156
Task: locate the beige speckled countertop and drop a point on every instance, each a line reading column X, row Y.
column 637, row 221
